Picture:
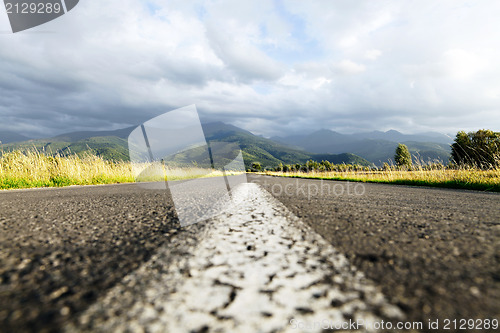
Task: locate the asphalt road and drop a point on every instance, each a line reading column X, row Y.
column 61, row 248
column 256, row 268
column 435, row 253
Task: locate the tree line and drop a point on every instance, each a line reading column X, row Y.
column 480, row 149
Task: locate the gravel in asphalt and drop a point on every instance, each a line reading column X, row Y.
column 257, row 268
column 60, row 248
column 435, row 252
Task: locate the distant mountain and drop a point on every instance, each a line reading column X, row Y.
column 8, row 137
column 395, row 136
column 377, row 147
column 109, row 147
column 269, row 152
column 122, row 133
column 114, row 145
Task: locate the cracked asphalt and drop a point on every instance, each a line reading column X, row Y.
column 256, row 269
column 432, row 253
column 61, row 248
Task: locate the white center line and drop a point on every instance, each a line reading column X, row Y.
column 258, row 269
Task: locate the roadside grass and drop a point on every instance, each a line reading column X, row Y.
column 155, row 172
column 31, row 169
column 462, row 178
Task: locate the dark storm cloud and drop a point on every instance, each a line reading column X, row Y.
column 363, row 65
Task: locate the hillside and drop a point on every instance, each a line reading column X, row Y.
column 122, row 133
column 269, row 152
column 376, row 147
column 8, row 137
column 113, row 145
column 109, row 147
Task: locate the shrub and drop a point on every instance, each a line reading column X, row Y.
column 256, row 167
column 327, row 165
column 403, row 156
column 477, row 149
column 311, row 165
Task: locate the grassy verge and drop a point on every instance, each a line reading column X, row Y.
column 473, row 179
column 32, row 169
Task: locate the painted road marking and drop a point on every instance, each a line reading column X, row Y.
column 258, row 268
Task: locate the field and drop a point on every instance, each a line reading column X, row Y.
column 31, row 169
column 464, row 178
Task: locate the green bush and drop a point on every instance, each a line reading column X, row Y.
column 403, row 157
column 256, row 167
column 477, row 149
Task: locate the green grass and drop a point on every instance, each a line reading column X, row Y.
column 110, row 148
column 472, row 179
column 31, row 169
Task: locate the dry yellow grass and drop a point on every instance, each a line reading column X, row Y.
column 34, row 169
column 454, row 178
column 151, row 172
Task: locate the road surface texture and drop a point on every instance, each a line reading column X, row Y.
column 104, row 258
column 434, row 252
column 256, row 269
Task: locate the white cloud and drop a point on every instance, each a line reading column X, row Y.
column 373, row 54
column 245, row 60
column 463, row 64
column 337, row 64
column 348, row 67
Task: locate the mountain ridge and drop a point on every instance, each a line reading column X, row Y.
column 9, row 137
column 113, row 145
column 377, row 147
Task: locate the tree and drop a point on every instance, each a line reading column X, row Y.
column 256, row 167
column 477, row 149
column 312, row 165
column 403, row 156
column 327, row 165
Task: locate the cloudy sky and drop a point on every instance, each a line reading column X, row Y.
column 272, row 67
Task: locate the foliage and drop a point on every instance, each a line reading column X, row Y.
column 313, row 166
column 421, row 174
column 34, row 169
column 403, row 156
column 115, row 148
column 477, row 149
column 256, row 166
column 436, row 175
column 271, row 154
column 109, row 148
